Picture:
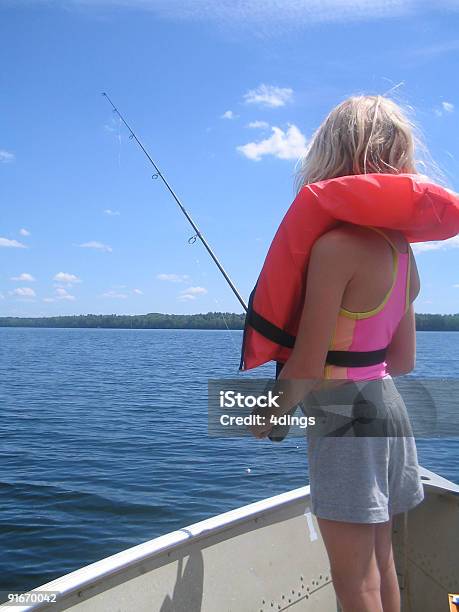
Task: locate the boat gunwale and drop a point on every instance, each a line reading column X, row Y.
column 93, row 574
column 90, row 575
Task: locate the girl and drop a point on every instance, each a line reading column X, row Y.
column 361, row 285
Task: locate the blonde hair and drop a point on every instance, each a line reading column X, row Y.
column 363, row 134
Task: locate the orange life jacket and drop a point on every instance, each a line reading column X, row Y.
column 422, row 210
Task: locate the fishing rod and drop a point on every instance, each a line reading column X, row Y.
column 158, row 174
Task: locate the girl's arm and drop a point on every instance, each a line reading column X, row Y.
column 332, row 265
column 401, row 354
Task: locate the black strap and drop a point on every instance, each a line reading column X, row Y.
column 269, row 330
column 356, row 359
column 345, row 359
column 279, row 366
column 350, row 359
column 246, row 325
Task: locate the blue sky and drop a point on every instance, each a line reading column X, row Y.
column 225, row 96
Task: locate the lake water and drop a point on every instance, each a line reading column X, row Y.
column 104, row 442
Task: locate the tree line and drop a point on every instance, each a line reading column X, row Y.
column 210, row 320
column 153, row 320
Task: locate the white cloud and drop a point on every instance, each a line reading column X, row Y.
column 6, row 156
column 63, row 294
column 448, row 107
column 173, row 278
column 2, row 297
column 191, row 293
column 284, row 145
column 436, row 245
column 114, row 295
column 137, row 291
column 229, row 115
column 195, row 290
column 99, row 246
column 187, row 296
column 60, row 293
column 114, row 124
column 66, row 277
column 111, row 213
column 25, row 277
column 258, row 125
column 26, row 292
column 24, row 232
column 14, row 244
column 269, row 95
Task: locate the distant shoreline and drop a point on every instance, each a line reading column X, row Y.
column 210, row 320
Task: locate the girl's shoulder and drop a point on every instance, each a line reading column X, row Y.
column 367, row 237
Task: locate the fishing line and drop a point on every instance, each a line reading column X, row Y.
column 237, row 348
column 158, row 174
column 119, row 142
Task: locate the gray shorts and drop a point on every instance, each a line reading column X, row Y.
column 363, row 465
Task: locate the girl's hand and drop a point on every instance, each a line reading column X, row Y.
column 262, row 429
